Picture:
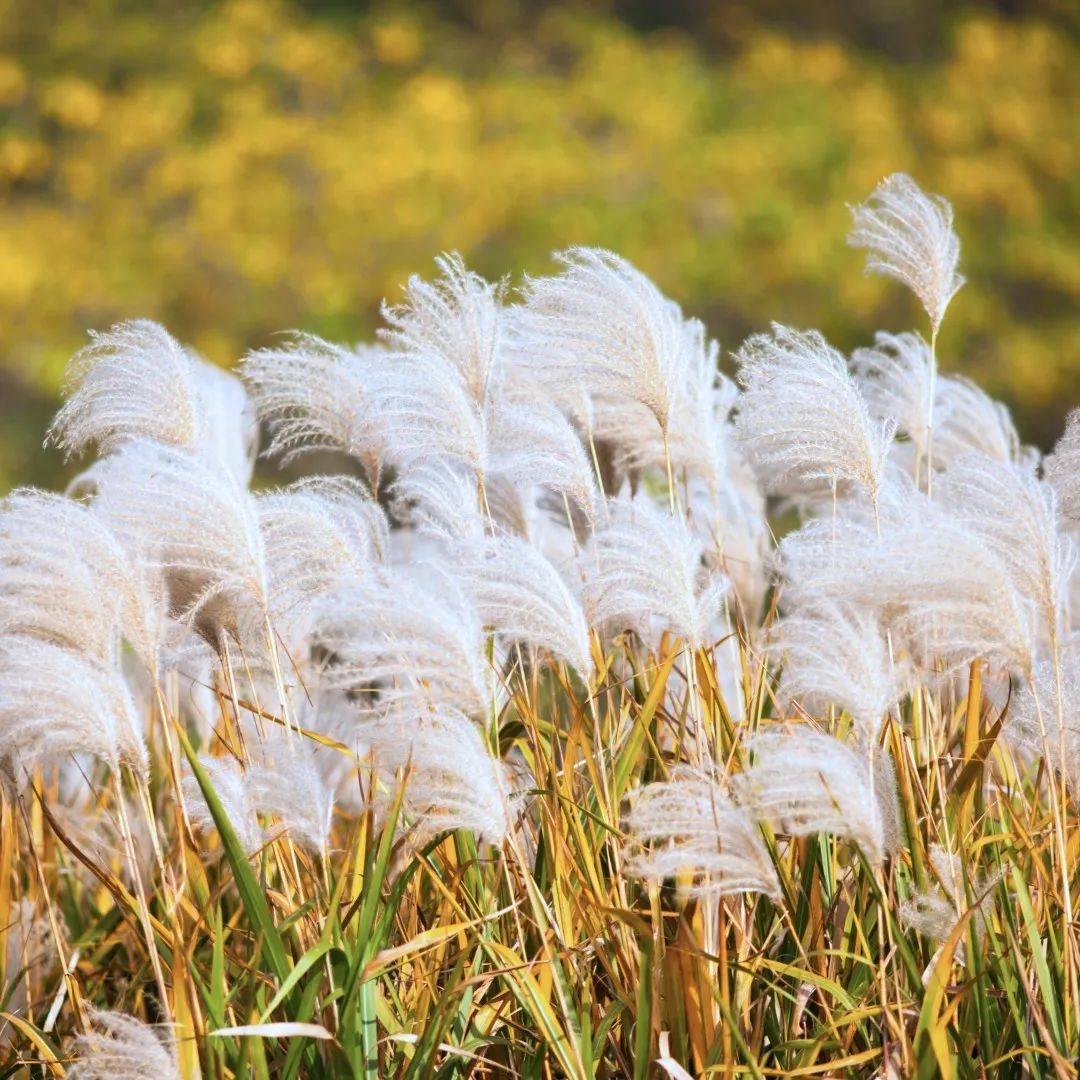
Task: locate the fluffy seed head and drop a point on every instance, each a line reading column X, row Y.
column 909, row 236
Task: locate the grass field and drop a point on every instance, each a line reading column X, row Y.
column 599, row 717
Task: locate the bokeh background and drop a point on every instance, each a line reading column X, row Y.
column 237, row 168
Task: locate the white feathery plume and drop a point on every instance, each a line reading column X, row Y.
column 835, row 654
column 897, row 381
column 411, row 636
column 934, row 913
column 54, row 702
column 802, row 422
column 229, row 428
column 28, row 953
column 520, row 595
column 314, row 395
column 287, row 782
column 319, row 534
column 426, row 409
column 1015, row 515
column 909, row 236
column 694, row 827
column 969, row 420
column 135, row 381
column 120, row 1047
column 65, row 578
column 200, row 526
column 1062, row 470
column 731, row 521
column 230, row 784
column 456, row 321
column 803, row 781
column 452, row 782
column 534, row 444
column 603, row 325
column 643, row 570
column 132, row 381
column 953, row 597
column 1044, row 719
column 439, row 498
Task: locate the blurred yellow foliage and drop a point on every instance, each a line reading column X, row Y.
column 236, row 169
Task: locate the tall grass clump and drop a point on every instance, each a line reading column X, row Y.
column 531, row 745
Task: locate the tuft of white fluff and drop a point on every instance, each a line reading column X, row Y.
column 970, row 421
column 692, row 827
column 410, row 636
column 319, row 534
column 1062, row 470
column 121, row 1047
column 425, row 409
column 55, row 702
column 909, row 236
column 135, row 381
column 803, row 781
column 1015, row 515
column 606, row 328
column 65, row 578
column 451, row 780
column 534, row 444
column 230, row 785
column 897, row 381
column 455, row 321
column 287, row 782
column 438, row 498
column 955, row 598
column 314, row 395
column 519, row 594
column 802, row 422
column 199, row 526
column 1044, row 718
column 835, row 654
column 643, row 570
column 934, row 913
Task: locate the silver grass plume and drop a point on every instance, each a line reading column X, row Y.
column 909, row 236
column 802, row 422
column 970, row 421
column 55, row 702
column 287, row 782
column 605, row 326
column 803, row 781
column 121, row 1047
column 409, row 637
column 230, row 785
column 455, row 321
column 314, row 395
column 934, row 913
column 642, row 570
column 1044, row 718
column 519, row 594
column 533, row 443
column 1014, row 514
column 319, row 534
column 898, row 382
column 689, row 825
column 439, row 498
column 953, row 597
column 452, row 782
column 426, row 409
column 834, row 654
column 65, row 578
column 201, row 527
column 1062, row 470
column 135, row 381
